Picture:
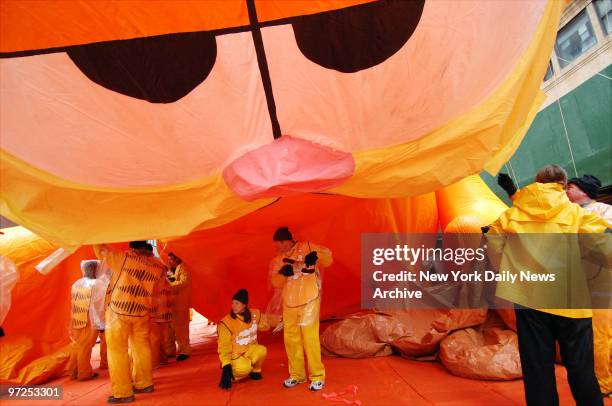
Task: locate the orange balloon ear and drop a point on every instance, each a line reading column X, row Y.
column 50, row 24
column 268, row 10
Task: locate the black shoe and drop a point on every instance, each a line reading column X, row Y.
column 256, row 376
column 89, row 378
column 148, row 389
column 182, row 357
column 112, row 399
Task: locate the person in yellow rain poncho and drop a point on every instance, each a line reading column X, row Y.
column 99, row 305
column 180, row 280
column 295, row 269
column 543, row 207
column 161, row 318
column 239, row 352
column 82, row 329
column 583, row 191
column 135, row 277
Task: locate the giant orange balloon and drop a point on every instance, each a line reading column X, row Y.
column 134, row 119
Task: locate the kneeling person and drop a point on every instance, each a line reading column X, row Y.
column 239, row 352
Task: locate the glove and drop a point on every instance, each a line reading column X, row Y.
column 485, row 229
column 308, row 270
column 227, row 376
column 286, row 270
column 506, row 183
column 288, row 261
column 311, row 258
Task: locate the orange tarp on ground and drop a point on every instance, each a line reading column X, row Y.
column 380, row 381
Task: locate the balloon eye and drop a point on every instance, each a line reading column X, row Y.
column 159, row 69
column 360, row 37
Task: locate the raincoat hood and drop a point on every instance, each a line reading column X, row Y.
column 542, row 201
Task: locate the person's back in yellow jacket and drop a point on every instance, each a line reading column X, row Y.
column 543, row 207
column 136, row 276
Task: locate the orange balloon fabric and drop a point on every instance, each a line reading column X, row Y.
column 411, row 332
column 492, row 354
column 468, row 205
column 237, row 255
column 165, row 117
column 38, row 321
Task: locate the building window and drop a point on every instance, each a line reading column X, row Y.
column 575, row 38
column 604, row 13
column 549, row 72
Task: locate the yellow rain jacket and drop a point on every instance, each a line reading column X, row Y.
column 301, row 304
column 301, row 288
column 162, row 303
column 82, row 331
column 602, row 318
column 545, row 208
column 601, row 209
column 181, row 291
column 238, row 345
column 236, row 336
column 134, row 279
column 81, row 300
column 181, row 287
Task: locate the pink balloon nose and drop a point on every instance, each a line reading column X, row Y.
column 288, row 166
